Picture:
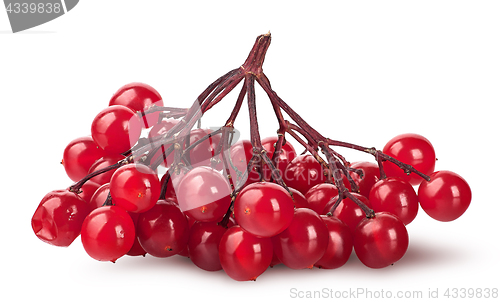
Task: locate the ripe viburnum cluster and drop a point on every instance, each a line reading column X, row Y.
column 239, row 206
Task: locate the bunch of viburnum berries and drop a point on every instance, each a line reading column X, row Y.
column 239, row 206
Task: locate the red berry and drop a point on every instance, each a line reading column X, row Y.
column 445, row 197
column 395, row 196
column 99, row 197
column 59, row 217
column 203, row 245
column 79, row 155
column 303, row 173
column 339, row 247
column 263, row 209
column 299, row 200
column 136, row 249
column 139, row 97
column 163, row 230
column 116, row 129
column 87, row 190
column 380, row 241
column 244, row 256
column 203, row 193
column 275, row 260
column 191, row 221
column 412, row 149
column 320, row 195
column 304, row 242
column 108, row 233
column 371, row 174
column 135, row 188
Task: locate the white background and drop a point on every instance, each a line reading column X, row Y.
column 358, row 71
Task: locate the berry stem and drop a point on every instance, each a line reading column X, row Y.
column 334, row 165
column 237, row 106
column 278, row 145
column 222, row 92
column 255, row 60
column 254, row 125
column 380, row 167
column 78, row 185
column 258, row 150
column 165, row 152
column 167, row 112
column 368, row 212
column 307, row 146
column 223, row 149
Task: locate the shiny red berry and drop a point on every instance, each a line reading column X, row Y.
column 395, row 196
column 264, row 209
column 108, row 233
column 163, row 230
column 116, row 129
column 411, row 149
column 139, row 97
column 203, row 245
column 299, row 200
column 79, row 155
column 244, row 256
column 59, row 217
column 99, row 197
column 320, row 195
column 87, row 190
column 446, row 196
column 380, row 241
column 339, row 247
column 371, row 174
column 304, row 242
column 135, row 187
column 204, row 194
column 303, row 173
column 136, row 249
